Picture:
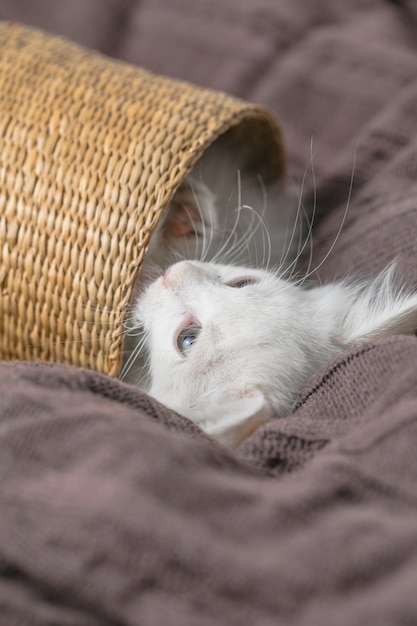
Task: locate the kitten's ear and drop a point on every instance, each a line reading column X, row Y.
column 398, row 317
column 191, row 210
column 382, row 308
column 404, row 323
column 234, row 418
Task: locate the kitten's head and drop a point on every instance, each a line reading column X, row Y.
column 230, row 346
column 226, row 344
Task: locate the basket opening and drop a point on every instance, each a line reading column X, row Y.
column 241, row 174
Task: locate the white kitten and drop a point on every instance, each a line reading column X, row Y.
column 200, row 224
column 229, row 347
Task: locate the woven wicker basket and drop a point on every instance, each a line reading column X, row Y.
column 91, row 152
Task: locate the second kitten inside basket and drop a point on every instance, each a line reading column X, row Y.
column 231, row 346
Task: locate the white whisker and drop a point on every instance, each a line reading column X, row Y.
column 301, row 215
column 133, row 356
column 342, row 223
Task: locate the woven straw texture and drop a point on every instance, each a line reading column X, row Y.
column 91, row 152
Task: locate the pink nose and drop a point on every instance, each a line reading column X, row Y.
column 178, row 273
column 173, row 274
column 165, row 276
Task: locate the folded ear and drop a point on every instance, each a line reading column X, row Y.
column 233, row 418
column 380, row 308
column 393, row 316
column 404, row 323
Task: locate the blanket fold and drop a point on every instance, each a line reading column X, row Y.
column 125, row 511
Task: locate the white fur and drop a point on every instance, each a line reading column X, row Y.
column 258, row 343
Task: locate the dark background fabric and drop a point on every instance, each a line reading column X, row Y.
column 115, row 510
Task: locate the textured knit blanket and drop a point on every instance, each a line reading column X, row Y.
column 115, row 510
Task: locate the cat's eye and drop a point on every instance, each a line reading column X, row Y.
column 242, row 282
column 187, row 337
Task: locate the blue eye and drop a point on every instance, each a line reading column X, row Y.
column 188, row 337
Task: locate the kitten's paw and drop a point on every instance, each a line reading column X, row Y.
column 234, row 418
column 191, row 210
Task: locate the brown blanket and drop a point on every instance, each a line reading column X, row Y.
column 115, row 510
